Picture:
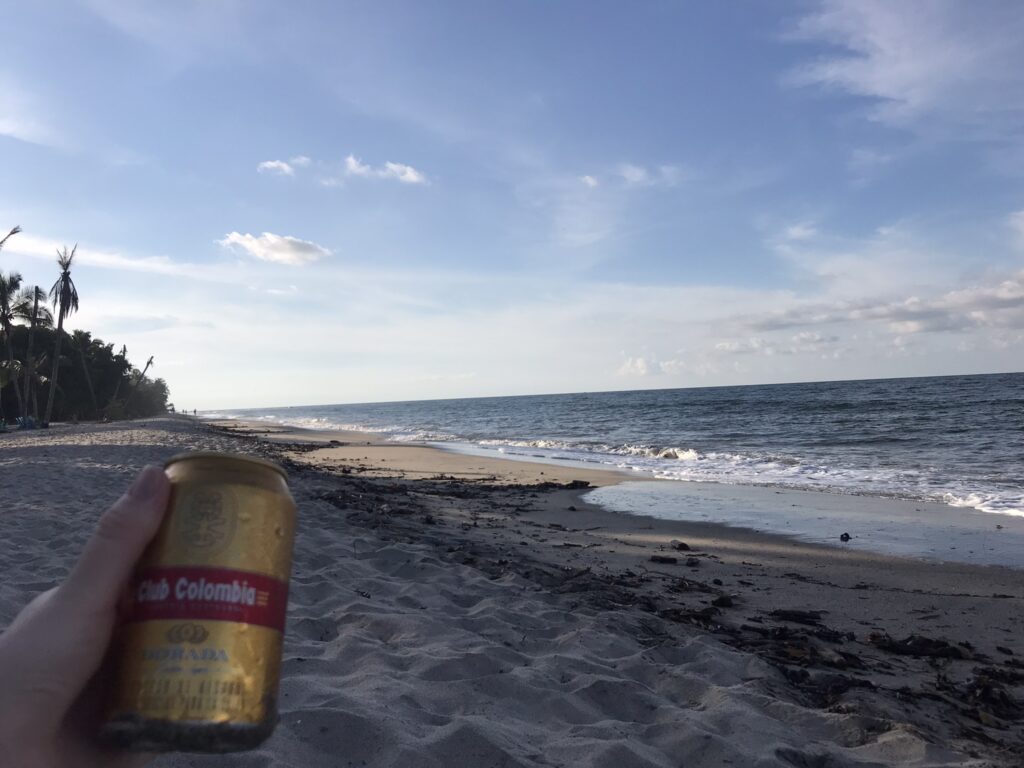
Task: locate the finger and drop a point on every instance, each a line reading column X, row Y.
column 120, row 538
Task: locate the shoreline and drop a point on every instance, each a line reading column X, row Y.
column 916, row 529
column 436, row 618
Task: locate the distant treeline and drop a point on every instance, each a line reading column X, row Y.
column 95, row 382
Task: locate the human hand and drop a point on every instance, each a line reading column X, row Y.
column 51, row 655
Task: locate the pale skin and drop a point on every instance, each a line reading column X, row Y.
column 52, row 655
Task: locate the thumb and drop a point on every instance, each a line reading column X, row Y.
column 121, row 536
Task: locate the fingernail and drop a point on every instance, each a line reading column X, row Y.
column 147, row 483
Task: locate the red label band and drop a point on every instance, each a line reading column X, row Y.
column 210, row 594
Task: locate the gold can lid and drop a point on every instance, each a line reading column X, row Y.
column 226, row 457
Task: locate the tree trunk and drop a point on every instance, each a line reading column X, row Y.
column 10, row 365
column 56, row 368
column 88, row 383
column 138, row 381
column 28, row 359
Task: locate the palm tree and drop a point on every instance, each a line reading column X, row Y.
column 121, row 358
column 9, row 235
column 8, row 374
column 138, row 381
column 9, row 311
column 65, row 300
column 82, row 340
column 34, row 317
column 33, row 371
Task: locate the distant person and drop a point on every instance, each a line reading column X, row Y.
column 51, row 653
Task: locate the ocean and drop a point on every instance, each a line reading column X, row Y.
column 958, row 440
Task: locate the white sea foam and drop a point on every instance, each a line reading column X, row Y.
column 988, row 502
column 394, row 432
column 687, row 464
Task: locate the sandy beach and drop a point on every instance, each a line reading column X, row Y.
column 456, row 610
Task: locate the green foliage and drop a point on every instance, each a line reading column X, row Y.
column 112, row 376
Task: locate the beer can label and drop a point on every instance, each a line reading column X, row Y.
column 208, row 594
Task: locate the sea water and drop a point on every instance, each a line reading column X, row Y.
column 956, row 440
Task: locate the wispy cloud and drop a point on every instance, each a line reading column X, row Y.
column 864, row 164
column 574, row 213
column 44, row 248
column 1016, row 223
column 589, row 181
column 946, row 68
column 21, row 116
column 998, row 303
column 641, row 176
column 889, row 259
column 406, row 174
column 183, row 32
column 805, row 342
column 280, row 249
column 799, row 232
column 139, row 324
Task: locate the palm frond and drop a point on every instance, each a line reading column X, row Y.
column 63, row 293
column 10, row 284
column 29, row 297
column 9, row 235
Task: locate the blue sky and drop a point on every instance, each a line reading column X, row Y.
column 332, row 202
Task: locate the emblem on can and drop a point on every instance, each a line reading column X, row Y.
column 187, row 633
column 205, row 519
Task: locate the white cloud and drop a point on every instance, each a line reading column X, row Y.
column 942, row 68
column 639, row 176
column 276, row 167
column 589, row 181
column 406, row 174
column 637, row 366
column 993, row 304
column 280, row 249
column 634, row 175
column 355, row 168
column 300, row 161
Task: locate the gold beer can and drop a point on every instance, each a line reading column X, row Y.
column 198, row 648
